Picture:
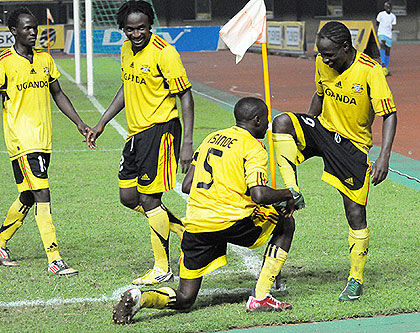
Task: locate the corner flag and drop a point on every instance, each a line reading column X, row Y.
column 49, row 16
column 245, row 28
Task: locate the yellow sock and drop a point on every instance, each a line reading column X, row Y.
column 359, row 245
column 175, row 224
column 139, row 209
column 286, row 154
column 274, row 258
column 14, row 219
column 158, row 298
column 47, row 230
column 159, row 229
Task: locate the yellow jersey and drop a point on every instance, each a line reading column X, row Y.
column 227, row 164
column 25, row 87
column 353, row 98
column 152, row 78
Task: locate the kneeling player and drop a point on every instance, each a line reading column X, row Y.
column 229, row 202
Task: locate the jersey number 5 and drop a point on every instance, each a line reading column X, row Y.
column 209, row 168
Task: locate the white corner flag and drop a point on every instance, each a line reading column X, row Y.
column 49, row 16
column 247, row 27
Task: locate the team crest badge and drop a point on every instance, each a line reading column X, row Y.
column 46, row 71
column 357, row 88
column 145, row 69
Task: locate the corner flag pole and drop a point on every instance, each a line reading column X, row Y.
column 268, row 102
column 48, row 35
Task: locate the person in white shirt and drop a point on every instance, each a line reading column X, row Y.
column 385, row 20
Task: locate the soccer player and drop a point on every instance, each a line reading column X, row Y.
column 226, row 207
column 385, row 20
column 27, row 78
column 152, row 76
column 350, row 90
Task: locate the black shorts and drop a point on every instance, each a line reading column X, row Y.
column 31, row 171
column 205, row 252
column 346, row 164
column 150, row 158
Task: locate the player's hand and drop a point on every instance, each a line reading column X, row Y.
column 83, row 129
column 92, row 135
column 290, row 208
column 186, row 157
column 379, row 170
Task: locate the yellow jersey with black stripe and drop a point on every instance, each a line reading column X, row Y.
column 227, row 164
column 152, row 78
column 25, row 87
column 353, row 98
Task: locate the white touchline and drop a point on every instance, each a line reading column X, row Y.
column 251, row 261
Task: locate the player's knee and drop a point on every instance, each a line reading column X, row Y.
column 282, row 124
column 27, row 198
column 128, row 201
column 356, row 217
column 184, row 302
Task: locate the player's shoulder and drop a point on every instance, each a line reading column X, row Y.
column 43, row 54
column 159, row 43
column 5, row 54
column 366, row 61
column 162, row 46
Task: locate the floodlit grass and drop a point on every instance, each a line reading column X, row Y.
column 110, row 244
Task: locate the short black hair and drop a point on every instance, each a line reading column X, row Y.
column 134, row 6
column 248, row 107
column 13, row 19
column 335, row 31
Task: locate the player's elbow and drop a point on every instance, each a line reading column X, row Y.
column 258, row 195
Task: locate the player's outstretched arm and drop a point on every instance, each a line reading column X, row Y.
column 187, row 106
column 264, row 195
column 381, row 165
column 114, row 108
column 64, row 104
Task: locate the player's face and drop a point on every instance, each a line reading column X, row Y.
column 26, row 31
column 334, row 55
column 388, row 7
column 137, row 30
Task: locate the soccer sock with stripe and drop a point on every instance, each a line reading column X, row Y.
column 46, row 228
column 139, row 209
column 175, row 224
column 286, row 152
column 359, row 245
column 14, row 219
column 159, row 235
column 274, row 259
column 158, row 298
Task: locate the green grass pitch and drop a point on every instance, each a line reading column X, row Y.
column 110, row 244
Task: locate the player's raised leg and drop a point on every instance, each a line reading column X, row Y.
column 286, row 151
